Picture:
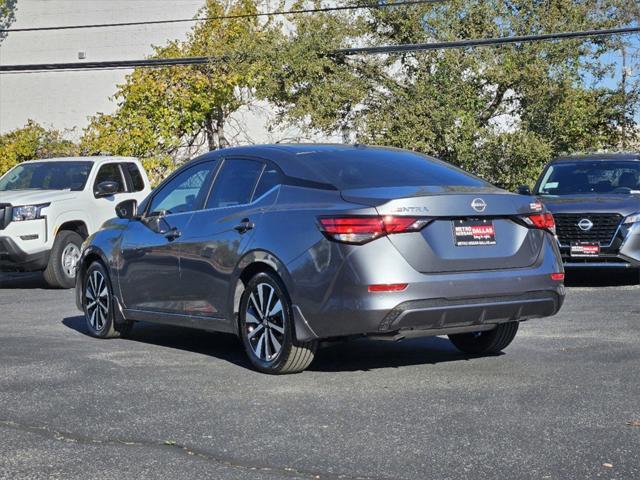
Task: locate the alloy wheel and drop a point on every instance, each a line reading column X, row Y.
column 70, row 257
column 97, row 300
column 265, row 323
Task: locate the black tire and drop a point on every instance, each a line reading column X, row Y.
column 487, row 342
column 100, row 316
column 272, row 329
column 56, row 275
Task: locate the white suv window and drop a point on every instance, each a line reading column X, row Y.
column 132, row 170
column 110, row 172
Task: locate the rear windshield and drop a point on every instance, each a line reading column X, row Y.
column 47, row 176
column 585, row 177
column 370, row 169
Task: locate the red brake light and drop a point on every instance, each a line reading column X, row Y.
column 391, row 287
column 558, row 277
column 543, row 221
column 362, row 229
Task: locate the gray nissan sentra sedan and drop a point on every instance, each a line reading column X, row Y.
column 287, row 245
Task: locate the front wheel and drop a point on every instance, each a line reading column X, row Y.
column 266, row 328
column 98, row 304
column 486, row 342
column 61, row 269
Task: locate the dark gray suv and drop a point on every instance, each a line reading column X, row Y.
column 286, row 245
column 595, row 200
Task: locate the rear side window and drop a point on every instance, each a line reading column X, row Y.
column 110, row 172
column 374, row 168
column 270, row 178
column 137, row 183
column 235, row 183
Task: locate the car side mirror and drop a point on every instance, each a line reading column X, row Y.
column 127, row 210
column 105, row 189
column 155, row 221
column 524, row 190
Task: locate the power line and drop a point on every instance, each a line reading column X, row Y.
column 162, row 62
column 107, row 65
column 480, row 42
column 226, row 17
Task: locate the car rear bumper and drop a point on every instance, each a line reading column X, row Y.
column 438, row 303
column 437, row 316
column 13, row 258
column 446, row 313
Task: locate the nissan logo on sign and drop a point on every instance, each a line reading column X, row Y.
column 478, row 204
column 585, row 224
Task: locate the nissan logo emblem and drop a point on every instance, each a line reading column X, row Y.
column 585, row 224
column 478, row 204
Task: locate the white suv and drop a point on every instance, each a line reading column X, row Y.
column 48, row 207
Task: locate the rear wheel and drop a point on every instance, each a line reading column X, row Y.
column 98, row 304
column 61, row 269
column 491, row 341
column 266, row 328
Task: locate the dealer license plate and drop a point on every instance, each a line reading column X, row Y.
column 585, row 249
column 473, row 233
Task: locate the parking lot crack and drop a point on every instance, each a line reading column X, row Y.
column 189, row 451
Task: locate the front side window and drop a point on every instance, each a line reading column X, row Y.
column 47, row 176
column 186, row 191
column 588, row 177
column 235, row 183
column 110, row 172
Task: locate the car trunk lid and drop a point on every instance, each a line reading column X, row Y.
column 471, row 229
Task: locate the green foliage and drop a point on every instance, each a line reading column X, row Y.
column 7, row 15
column 32, row 142
column 313, row 90
column 165, row 111
column 498, row 111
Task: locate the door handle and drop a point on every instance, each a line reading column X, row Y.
column 172, row 234
column 244, row 226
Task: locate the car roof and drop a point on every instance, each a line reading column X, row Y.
column 94, row 159
column 616, row 156
column 296, row 159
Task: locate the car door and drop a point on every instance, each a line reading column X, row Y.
column 150, row 274
column 104, row 207
column 219, row 234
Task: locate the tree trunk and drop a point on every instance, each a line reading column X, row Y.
column 210, row 132
column 222, row 139
column 214, row 129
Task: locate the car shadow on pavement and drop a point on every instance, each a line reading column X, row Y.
column 221, row 345
column 363, row 354
column 342, row 356
column 15, row 281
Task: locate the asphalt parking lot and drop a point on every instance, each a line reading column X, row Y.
column 563, row 402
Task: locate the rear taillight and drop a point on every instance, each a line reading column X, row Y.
column 543, row 221
column 363, row 229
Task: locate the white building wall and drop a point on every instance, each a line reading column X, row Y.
column 64, row 100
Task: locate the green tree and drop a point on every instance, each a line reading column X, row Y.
column 498, row 111
column 7, row 15
column 32, row 142
column 164, row 112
